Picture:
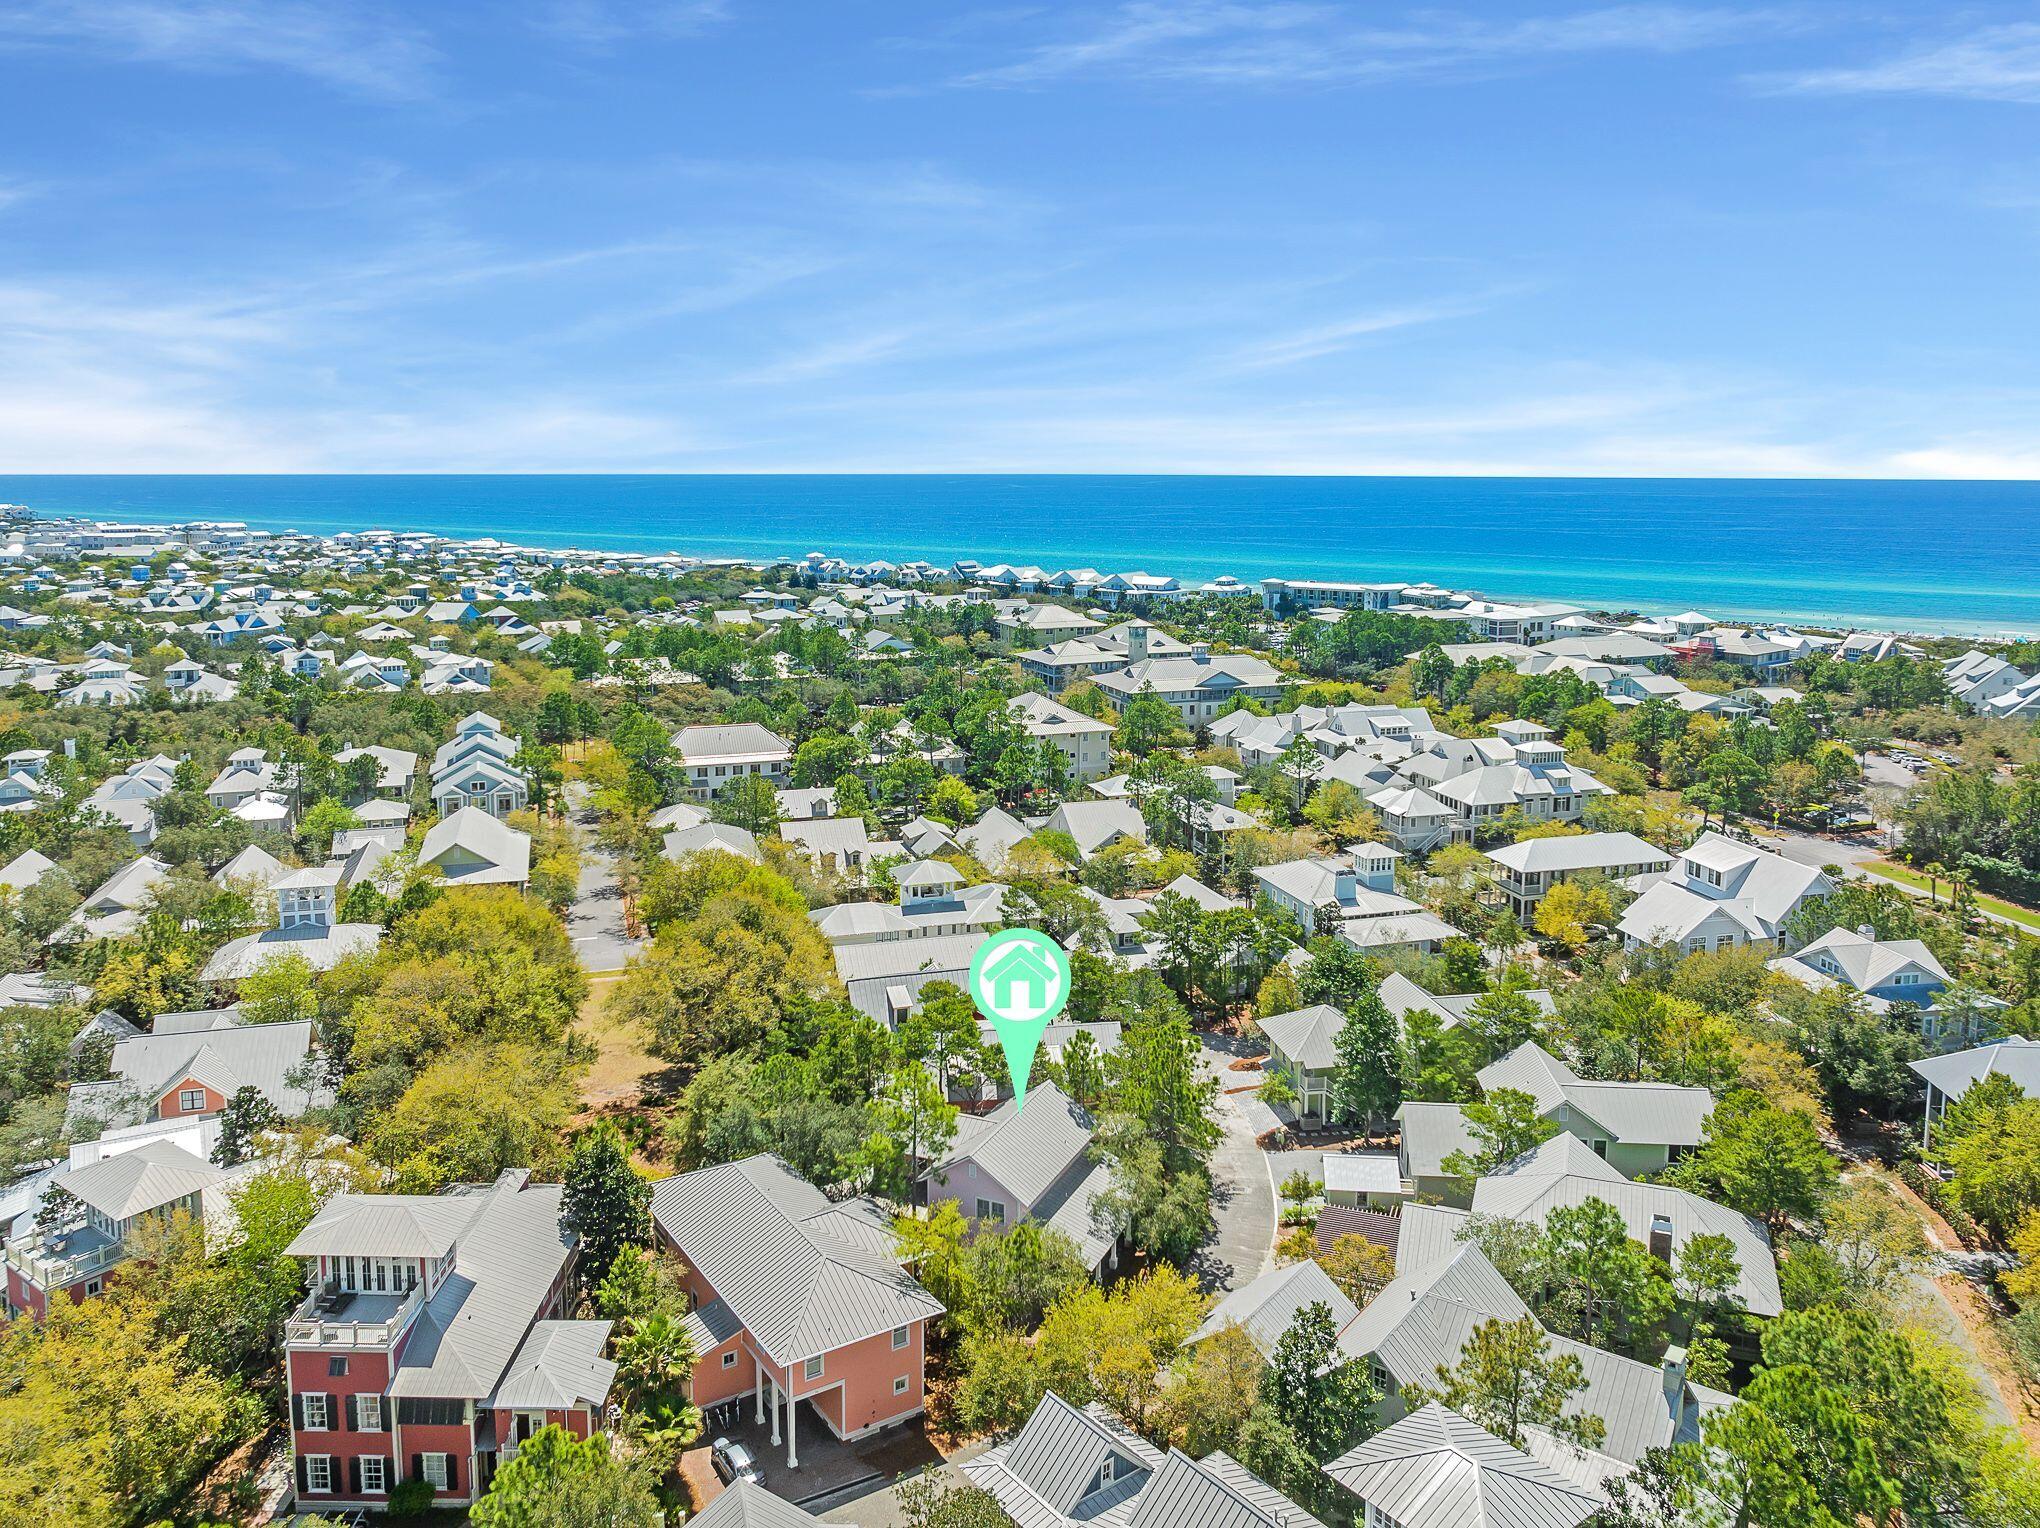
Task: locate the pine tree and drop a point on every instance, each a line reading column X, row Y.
column 606, row 1204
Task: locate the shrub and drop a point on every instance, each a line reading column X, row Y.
column 412, row 1498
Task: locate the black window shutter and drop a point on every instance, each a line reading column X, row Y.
column 417, row 1466
column 453, row 1472
column 297, row 1412
column 354, row 1476
column 353, row 1417
column 304, row 1475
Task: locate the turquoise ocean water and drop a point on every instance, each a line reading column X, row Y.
column 1919, row 556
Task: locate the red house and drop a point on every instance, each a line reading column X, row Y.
column 430, row 1344
column 797, row 1299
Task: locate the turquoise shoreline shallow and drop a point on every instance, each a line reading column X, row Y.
column 1916, row 556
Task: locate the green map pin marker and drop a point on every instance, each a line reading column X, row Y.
column 1020, row 981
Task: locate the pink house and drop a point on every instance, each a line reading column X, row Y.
column 430, row 1345
column 192, row 1063
column 797, row 1299
column 1009, row 1166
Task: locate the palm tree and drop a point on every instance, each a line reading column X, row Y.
column 653, row 1359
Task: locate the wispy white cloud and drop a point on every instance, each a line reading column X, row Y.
column 600, row 25
column 1999, row 63
column 355, row 49
column 1223, row 42
column 1344, row 333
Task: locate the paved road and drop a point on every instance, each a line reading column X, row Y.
column 1808, row 849
column 1242, row 1198
column 595, row 920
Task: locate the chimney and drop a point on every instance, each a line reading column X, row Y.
column 1674, row 1371
column 1866, row 931
column 1661, row 1238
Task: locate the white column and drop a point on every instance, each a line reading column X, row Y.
column 758, row 1388
column 775, row 1410
column 792, row 1459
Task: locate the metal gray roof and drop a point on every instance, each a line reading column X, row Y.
column 1431, row 1133
column 226, row 1057
column 1268, row 1306
column 1274, row 1506
column 1957, row 1072
column 146, row 1178
column 770, row 1245
column 1558, row 1173
column 1423, row 1317
column 386, row 1225
column 744, row 1505
column 1027, row 1153
column 1435, row 1469
column 560, row 1365
column 1308, row 1036
column 1052, row 1473
column 1580, row 851
column 1184, row 1494
column 1635, row 1113
column 739, row 741
column 711, row 1325
column 507, row 1260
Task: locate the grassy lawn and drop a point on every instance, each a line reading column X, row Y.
column 621, row 1063
column 2025, row 915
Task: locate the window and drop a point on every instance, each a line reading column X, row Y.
column 318, row 1472
column 899, row 1386
column 421, row 1411
column 1601, row 1149
column 313, row 1409
column 812, row 1369
column 375, row 1474
column 435, row 1469
column 991, row 1209
column 729, row 1360
column 1383, row 1380
column 191, row 1101
column 901, row 1336
column 368, row 1413
column 335, row 1368
column 1376, row 1518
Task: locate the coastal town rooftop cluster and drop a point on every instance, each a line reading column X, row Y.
column 28, row 539
column 438, row 1333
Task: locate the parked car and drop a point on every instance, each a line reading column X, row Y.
column 733, row 1462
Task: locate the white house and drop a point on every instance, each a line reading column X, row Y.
column 1084, row 742
column 1719, row 893
column 714, row 756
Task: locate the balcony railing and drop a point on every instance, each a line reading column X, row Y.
column 48, row 1272
column 313, row 1327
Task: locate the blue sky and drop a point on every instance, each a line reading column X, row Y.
column 873, row 235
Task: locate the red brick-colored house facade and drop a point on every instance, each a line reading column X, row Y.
column 432, row 1345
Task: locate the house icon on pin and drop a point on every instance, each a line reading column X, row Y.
column 1021, row 983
